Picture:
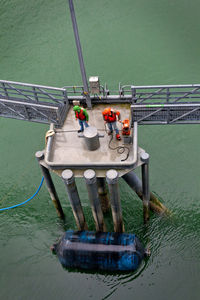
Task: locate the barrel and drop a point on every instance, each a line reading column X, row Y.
column 109, row 251
column 91, row 137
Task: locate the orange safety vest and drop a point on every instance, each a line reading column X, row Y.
column 80, row 115
column 110, row 118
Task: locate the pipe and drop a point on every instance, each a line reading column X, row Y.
column 112, row 180
column 50, row 186
column 80, row 55
column 145, row 186
column 136, row 185
column 69, row 181
column 91, row 183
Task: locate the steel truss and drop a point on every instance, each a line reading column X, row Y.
column 166, row 104
column 34, row 103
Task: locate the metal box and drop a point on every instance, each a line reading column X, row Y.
column 94, row 85
column 128, row 140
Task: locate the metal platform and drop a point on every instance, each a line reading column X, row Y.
column 66, row 149
column 66, row 152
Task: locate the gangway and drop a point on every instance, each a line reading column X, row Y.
column 34, row 103
column 171, row 104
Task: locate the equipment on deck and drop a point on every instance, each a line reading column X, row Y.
column 94, row 85
column 126, row 127
column 91, row 137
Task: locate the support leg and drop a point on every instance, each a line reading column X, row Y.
column 136, row 185
column 112, row 180
column 103, row 194
column 145, row 186
column 50, row 186
column 68, row 178
column 91, row 183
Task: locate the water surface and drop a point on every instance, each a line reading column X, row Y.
column 141, row 42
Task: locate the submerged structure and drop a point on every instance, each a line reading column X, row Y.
column 92, row 154
column 99, row 251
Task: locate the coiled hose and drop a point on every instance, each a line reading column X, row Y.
column 120, row 149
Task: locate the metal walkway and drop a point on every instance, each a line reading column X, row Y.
column 176, row 104
column 167, row 104
column 34, row 103
column 152, row 114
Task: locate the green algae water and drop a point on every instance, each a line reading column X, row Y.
column 141, row 42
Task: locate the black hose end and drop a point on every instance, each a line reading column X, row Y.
column 53, row 248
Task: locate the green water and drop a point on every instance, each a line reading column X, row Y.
column 141, row 42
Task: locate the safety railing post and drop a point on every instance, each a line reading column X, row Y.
column 5, row 91
column 133, row 93
column 35, row 94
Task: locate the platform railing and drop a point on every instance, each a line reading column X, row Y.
column 141, row 94
column 135, row 94
column 35, row 103
column 164, row 93
column 32, row 93
column 51, row 103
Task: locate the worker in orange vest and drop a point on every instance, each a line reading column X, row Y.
column 82, row 116
column 110, row 117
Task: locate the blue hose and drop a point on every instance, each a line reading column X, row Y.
column 6, row 208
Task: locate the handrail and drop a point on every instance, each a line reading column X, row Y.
column 32, row 85
column 32, row 93
column 126, row 93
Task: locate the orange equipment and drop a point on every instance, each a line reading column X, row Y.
column 126, row 127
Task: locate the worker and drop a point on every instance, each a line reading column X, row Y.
column 110, row 118
column 82, row 116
